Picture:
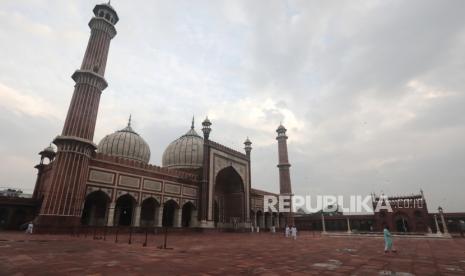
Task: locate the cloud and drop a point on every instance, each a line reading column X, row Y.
column 263, row 115
column 24, row 24
column 22, row 103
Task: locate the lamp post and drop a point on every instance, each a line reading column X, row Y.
column 443, row 221
column 348, row 226
column 323, row 222
column 438, row 231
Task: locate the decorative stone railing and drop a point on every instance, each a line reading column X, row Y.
column 227, row 150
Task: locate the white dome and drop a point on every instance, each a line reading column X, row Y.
column 185, row 153
column 125, row 143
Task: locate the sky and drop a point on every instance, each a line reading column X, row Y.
column 371, row 92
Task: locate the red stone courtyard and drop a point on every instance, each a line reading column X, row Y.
column 227, row 254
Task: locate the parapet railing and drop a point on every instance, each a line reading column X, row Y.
column 144, row 166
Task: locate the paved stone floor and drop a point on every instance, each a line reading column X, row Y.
column 227, row 254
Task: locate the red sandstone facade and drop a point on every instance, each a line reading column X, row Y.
column 409, row 214
column 81, row 185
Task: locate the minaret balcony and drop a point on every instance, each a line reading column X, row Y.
column 90, row 78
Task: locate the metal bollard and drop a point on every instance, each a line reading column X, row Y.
column 145, row 243
column 166, row 237
column 116, row 236
column 130, row 235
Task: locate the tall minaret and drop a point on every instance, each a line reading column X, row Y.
column 284, row 175
column 64, row 201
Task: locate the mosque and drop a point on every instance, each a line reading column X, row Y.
column 201, row 183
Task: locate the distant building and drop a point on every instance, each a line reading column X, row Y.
column 8, row 192
column 409, row 215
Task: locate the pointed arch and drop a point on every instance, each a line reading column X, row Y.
column 189, row 214
column 229, row 195
column 260, row 219
column 401, row 222
column 148, row 211
column 124, row 210
column 170, row 213
column 95, row 208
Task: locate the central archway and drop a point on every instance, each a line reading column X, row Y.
column 401, row 221
column 230, row 198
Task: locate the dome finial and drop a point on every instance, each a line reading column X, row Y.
column 192, row 126
column 129, row 121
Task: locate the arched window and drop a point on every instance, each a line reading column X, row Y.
column 169, row 213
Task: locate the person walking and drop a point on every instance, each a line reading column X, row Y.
column 294, row 232
column 388, row 240
column 30, row 227
column 287, row 231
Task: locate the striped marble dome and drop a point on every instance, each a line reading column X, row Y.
column 125, row 143
column 186, row 152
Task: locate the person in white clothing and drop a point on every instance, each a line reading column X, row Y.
column 294, row 232
column 287, row 231
column 30, row 227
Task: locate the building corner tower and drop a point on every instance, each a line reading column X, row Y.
column 64, row 200
column 284, row 174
